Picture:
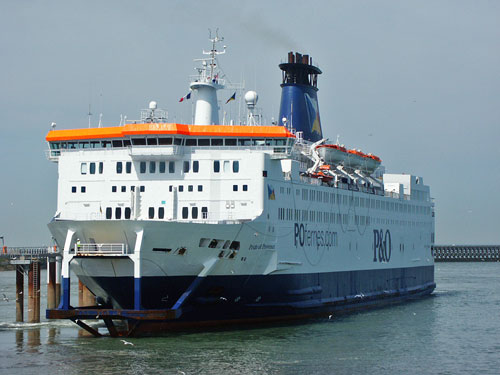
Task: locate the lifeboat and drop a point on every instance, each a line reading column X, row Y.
column 355, row 159
column 332, row 154
column 372, row 162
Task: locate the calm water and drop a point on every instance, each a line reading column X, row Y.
column 457, row 330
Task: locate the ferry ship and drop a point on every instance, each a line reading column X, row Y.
column 171, row 225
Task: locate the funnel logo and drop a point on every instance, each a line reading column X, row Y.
column 313, row 114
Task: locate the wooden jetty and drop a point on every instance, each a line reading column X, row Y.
column 27, row 261
column 466, row 253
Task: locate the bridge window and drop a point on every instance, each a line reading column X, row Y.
column 230, row 142
column 191, row 142
column 161, row 213
column 203, row 142
column 117, row 143
column 236, row 166
column 162, row 167
column 106, row 144
column 118, row 213
column 126, row 142
column 244, row 142
column 127, row 212
column 138, row 141
column 164, row 141
column 177, row 141
column 119, row 167
column 235, row 245
column 151, row 141
column 217, row 142
column 196, row 166
column 128, row 167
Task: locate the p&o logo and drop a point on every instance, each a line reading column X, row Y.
column 382, row 246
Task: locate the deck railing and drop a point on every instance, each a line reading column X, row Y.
column 100, row 249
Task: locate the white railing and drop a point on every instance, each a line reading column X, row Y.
column 101, row 249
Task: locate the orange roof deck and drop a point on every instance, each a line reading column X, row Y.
column 164, row 128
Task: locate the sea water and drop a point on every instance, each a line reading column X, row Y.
column 454, row 331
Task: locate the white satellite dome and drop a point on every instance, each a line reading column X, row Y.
column 152, row 105
column 251, row 98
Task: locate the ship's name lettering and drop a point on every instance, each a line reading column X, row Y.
column 382, row 245
column 313, row 238
column 261, row 246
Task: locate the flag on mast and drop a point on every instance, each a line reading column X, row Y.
column 233, row 97
column 185, row 97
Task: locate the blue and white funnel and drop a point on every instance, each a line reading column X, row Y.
column 299, row 100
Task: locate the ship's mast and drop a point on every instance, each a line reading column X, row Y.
column 206, row 84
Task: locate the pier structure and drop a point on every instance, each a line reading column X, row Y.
column 28, row 260
column 466, row 253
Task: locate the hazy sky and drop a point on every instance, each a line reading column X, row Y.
column 414, row 82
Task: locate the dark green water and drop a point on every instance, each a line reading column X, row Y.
column 455, row 331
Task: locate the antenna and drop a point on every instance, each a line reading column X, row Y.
column 100, row 119
column 89, row 114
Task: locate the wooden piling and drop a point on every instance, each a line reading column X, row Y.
column 31, row 295
column 19, row 293
column 58, row 279
column 51, row 284
column 36, row 282
column 34, row 293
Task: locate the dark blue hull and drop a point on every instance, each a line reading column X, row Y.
column 259, row 297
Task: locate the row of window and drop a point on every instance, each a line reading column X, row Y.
column 289, row 214
column 142, row 188
column 161, row 167
column 156, row 213
column 91, row 168
column 219, row 244
column 166, row 141
column 114, row 189
column 338, row 198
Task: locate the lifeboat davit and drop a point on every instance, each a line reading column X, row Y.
column 332, row 154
